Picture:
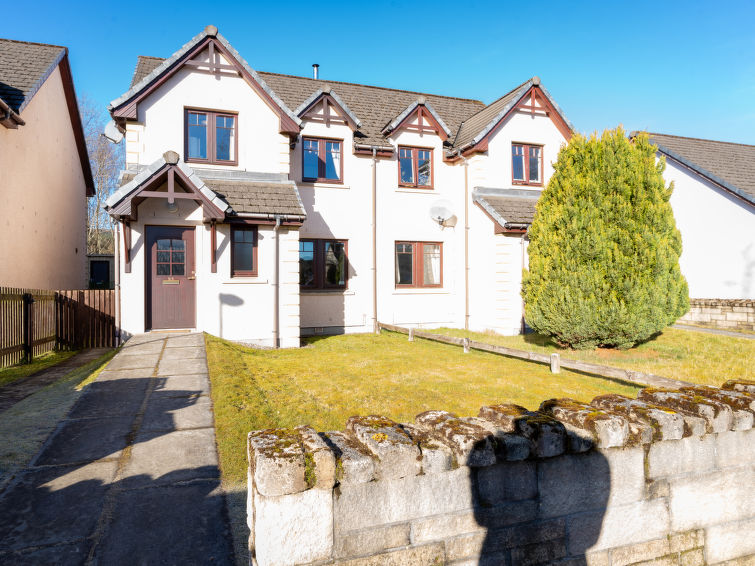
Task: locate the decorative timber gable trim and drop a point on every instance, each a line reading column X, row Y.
column 428, row 120
column 329, row 100
column 125, row 107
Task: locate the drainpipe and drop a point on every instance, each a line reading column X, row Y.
column 276, row 285
column 117, row 282
column 375, row 327
column 466, row 241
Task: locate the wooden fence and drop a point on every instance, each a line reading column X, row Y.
column 34, row 321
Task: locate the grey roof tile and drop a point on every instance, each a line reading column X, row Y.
column 733, row 164
column 24, row 67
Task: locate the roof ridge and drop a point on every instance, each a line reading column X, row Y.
column 324, row 81
column 33, row 43
column 696, row 139
column 151, row 57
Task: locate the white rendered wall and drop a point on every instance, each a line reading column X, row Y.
column 718, row 236
column 160, row 124
column 236, row 308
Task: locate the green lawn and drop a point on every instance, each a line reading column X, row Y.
column 687, row 355
column 333, row 378
column 14, row 373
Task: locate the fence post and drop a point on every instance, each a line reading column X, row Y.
column 465, row 343
column 28, row 326
column 411, row 335
column 555, row 363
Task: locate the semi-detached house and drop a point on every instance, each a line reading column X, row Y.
column 262, row 207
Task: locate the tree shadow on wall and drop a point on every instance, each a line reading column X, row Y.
column 540, row 511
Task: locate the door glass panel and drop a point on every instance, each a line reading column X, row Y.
column 163, row 257
column 178, row 245
column 179, row 257
column 178, row 269
column 163, row 269
column 163, row 244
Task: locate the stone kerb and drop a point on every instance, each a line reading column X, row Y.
column 434, row 490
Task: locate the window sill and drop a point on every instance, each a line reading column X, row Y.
column 421, row 291
column 246, row 281
column 305, row 292
column 415, row 190
column 319, row 185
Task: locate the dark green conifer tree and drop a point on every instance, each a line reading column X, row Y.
column 604, row 248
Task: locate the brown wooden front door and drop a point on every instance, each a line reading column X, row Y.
column 171, row 289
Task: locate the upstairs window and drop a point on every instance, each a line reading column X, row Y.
column 419, row 264
column 211, row 137
column 323, row 264
column 526, row 164
column 415, row 167
column 322, row 160
column 243, row 251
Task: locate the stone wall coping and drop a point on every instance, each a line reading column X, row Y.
column 289, row 461
column 722, row 302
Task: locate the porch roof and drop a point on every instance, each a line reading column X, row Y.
column 509, row 208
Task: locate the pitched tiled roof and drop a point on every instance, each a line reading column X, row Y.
column 246, row 197
column 507, row 206
column 729, row 164
column 375, row 107
column 144, row 66
column 24, row 67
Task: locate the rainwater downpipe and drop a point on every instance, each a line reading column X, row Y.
column 466, row 241
column 117, row 285
column 375, row 327
column 276, row 285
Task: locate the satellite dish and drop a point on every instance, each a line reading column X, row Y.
column 112, row 132
column 441, row 213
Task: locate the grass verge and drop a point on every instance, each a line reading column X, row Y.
column 19, row 371
column 333, row 378
column 28, row 423
column 698, row 357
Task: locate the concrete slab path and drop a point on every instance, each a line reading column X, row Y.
column 19, row 390
column 131, row 475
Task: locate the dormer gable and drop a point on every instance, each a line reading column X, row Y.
column 419, row 117
column 326, row 107
column 207, row 52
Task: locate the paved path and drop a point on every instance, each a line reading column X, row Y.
column 715, row 331
column 131, row 475
column 21, row 389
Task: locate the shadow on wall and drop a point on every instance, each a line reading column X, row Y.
column 542, row 511
column 229, row 300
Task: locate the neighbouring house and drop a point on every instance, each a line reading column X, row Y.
column 714, row 207
column 45, row 176
column 262, row 207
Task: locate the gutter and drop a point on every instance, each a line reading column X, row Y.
column 283, row 218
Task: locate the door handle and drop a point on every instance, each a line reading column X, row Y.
column 192, row 276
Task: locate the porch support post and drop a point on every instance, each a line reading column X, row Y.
column 213, row 248
column 127, row 246
column 171, row 186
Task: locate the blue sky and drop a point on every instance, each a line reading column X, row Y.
column 684, row 68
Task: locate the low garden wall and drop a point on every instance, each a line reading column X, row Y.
column 667, row 478
column 731, row 314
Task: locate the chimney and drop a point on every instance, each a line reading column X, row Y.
column 316, row 71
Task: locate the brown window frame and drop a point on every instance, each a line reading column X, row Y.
column 415, row 168
column 321, row 165
column 211, row 129
column 526, row 180
column 255, row 256
column 418, row 274
column 320, row 283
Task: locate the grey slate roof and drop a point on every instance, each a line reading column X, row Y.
column 732, row 165
column 24, row 67
column 374, row 108
column 235, row 192
column 508, row 207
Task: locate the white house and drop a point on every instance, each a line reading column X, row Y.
column 714, row 208
column 261, row 207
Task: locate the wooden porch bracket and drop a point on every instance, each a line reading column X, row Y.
column 213, row 248
column 127, row 246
